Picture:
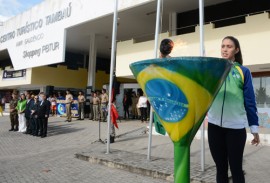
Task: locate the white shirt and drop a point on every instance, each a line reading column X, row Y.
column 142, row 102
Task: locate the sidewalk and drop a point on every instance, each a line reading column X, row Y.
column 19, row 151
column 129, row 153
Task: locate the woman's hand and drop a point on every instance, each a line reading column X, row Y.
column 256, row 139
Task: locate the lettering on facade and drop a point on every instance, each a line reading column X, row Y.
column 58, row 16
column 44, row 49
column 35, row 25
column 7, row 37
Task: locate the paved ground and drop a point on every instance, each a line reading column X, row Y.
column 28, row 159
column 25, row 158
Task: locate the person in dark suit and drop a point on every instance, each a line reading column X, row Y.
column 126, row 103
column 34, row 116
column 29, row 103
column 43, row 115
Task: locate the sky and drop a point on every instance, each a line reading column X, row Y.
column 10, row 8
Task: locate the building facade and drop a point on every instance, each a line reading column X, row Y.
column 67, row 43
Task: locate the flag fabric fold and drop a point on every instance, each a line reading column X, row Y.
column 114, row 113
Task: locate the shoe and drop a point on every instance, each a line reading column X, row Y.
column 43, row 136
column 12, row 129
column 16, row 130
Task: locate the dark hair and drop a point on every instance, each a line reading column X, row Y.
column 166, row 46
column 238, row 56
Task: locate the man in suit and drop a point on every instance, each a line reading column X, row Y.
column 43, row 115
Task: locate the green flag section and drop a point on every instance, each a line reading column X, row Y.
column 181, row 90
column 158, row 125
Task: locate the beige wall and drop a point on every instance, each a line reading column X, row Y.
column 254, row 37
column 101, row 79
column 60, row 77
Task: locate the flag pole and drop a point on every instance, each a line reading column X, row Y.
column 155, row 56
column 113, row 51
column 202, row 53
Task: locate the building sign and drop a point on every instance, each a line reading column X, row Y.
column 14, row 74
column 37, row 37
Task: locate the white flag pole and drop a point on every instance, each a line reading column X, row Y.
column 155, row 56
column 113, row 51
column 202, row 53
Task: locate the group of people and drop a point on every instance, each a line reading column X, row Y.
column 29, row 113
column 140, row 107
column 95, row 107
column 234, row 105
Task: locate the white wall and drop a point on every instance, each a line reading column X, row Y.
column 47, row 37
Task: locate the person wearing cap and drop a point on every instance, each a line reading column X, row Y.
column 13, row 113
column 21, row 106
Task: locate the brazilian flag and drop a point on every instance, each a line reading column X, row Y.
column 181, row 90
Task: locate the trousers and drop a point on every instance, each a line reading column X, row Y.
column 227, row 147
column 68, row 111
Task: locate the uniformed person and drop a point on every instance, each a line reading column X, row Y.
column 81, row 101
column 69, row 100
column 96, row 102
column 103, row 105
column 91, row 115
column 13, row 113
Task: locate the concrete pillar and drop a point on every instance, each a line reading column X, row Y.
column 43, row 89
column 173, row 23
column 92, row 63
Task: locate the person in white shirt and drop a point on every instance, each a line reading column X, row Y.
column 142, row 105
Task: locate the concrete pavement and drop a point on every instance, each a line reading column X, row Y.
column 25, row 158
column 28, row 159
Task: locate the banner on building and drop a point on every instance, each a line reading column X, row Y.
column 61, row 107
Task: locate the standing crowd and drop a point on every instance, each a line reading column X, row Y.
column 29, row 113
